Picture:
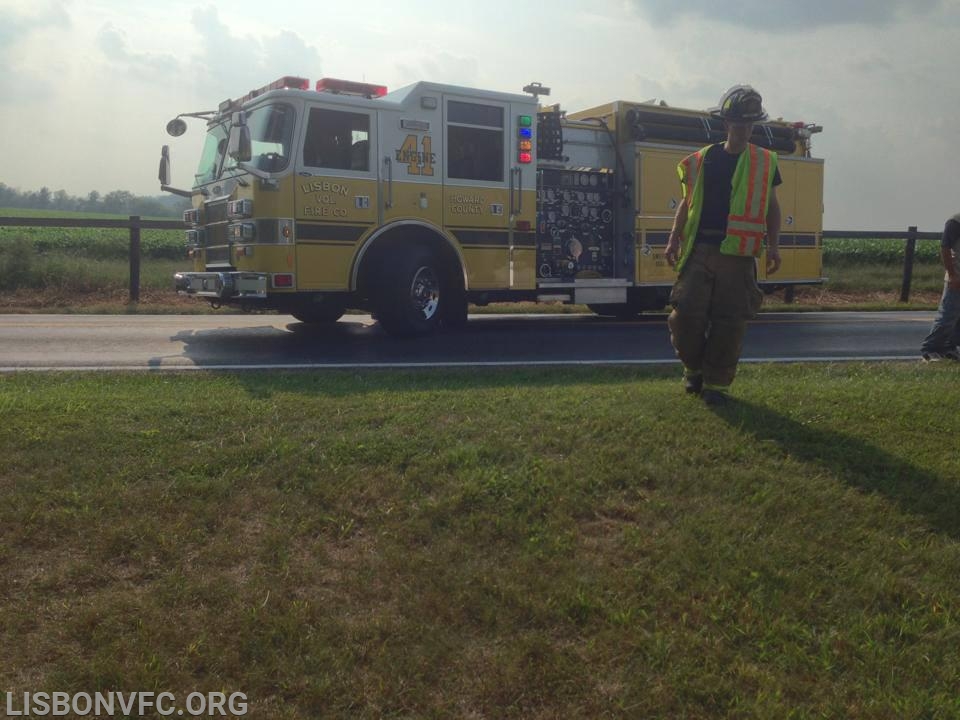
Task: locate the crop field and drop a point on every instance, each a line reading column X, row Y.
column 78, row 262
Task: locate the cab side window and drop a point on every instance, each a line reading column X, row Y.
column 337, row 140
column 474, row 141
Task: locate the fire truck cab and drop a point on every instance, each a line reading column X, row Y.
column 415, row 203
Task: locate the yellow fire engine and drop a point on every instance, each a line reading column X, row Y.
column 415, row 203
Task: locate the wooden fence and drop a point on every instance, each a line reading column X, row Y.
column 910, row 236
column 135, row 223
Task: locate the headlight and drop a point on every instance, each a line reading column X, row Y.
column 239, row 209
column 242, row 231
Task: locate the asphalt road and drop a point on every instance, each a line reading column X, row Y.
column 234, row 341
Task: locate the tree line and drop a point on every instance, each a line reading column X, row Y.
column 116, row 202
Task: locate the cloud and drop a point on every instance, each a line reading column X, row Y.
column 225, row 57
column 786, row 17
column 16, row 25
column 21, row 29
column 113, row 44
column 443, row 68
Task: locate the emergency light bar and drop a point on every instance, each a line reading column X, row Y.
column 349, row 87
column 291, row 82
column 287, row 82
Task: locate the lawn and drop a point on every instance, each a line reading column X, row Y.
column 551, row 543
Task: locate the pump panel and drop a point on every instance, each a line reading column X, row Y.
column 575, row 225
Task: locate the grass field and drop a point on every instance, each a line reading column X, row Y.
column 583, row 543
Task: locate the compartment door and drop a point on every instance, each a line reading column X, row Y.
column 477, row 172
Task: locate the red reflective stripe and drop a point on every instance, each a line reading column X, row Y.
column 766, row 179
column 751, row 188
column 748, row 236
column 691, row 165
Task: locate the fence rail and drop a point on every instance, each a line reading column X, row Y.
column 135, row 223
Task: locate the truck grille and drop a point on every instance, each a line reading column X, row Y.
column 215, row 212
column 218, row 256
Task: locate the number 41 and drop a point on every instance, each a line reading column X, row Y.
column 418, row 163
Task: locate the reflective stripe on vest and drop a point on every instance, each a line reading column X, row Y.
column 749, row 201
column 747, row 221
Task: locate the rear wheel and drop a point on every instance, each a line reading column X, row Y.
column 636, row 303
column 411, row 293
column 621, row 311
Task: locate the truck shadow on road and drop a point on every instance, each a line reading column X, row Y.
column 490, row 339
column 857, row 463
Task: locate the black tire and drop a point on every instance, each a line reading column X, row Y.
column 410, row 290
column 637, row 302
column 621, row 311
column 319, row 314
column 455, row 307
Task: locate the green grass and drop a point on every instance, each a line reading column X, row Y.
column 926, row 277
column 576, row 543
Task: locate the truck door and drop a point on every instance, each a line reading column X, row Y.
column 409, row 157
column 336, row 192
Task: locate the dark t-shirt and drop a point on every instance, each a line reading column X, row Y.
column 951, row 235
column 718, row 168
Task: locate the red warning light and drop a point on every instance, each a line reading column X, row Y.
column 349, row 87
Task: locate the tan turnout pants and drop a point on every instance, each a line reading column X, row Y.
column 712, row 300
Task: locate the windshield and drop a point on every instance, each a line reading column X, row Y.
column 212, row 156
column 271, row 136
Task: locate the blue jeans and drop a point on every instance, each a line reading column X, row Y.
column 945, row 333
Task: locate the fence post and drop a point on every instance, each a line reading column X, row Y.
column 134, row 258
column 908, row 263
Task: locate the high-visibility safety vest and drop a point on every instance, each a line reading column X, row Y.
column 749, row 199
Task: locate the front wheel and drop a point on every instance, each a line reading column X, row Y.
column 410, row 293
column 321, row 315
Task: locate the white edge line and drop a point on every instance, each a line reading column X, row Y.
column 416, row 365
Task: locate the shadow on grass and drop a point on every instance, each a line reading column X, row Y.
column 859, row 464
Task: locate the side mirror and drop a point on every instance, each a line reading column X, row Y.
column 176, row 127
column 239, row 145
column 165, row 165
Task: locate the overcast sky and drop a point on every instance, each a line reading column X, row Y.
column 88, row 85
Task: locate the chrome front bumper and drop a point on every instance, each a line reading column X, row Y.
column 222, row 285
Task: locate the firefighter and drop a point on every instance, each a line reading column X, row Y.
column 944, row 336
column 729, row 204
